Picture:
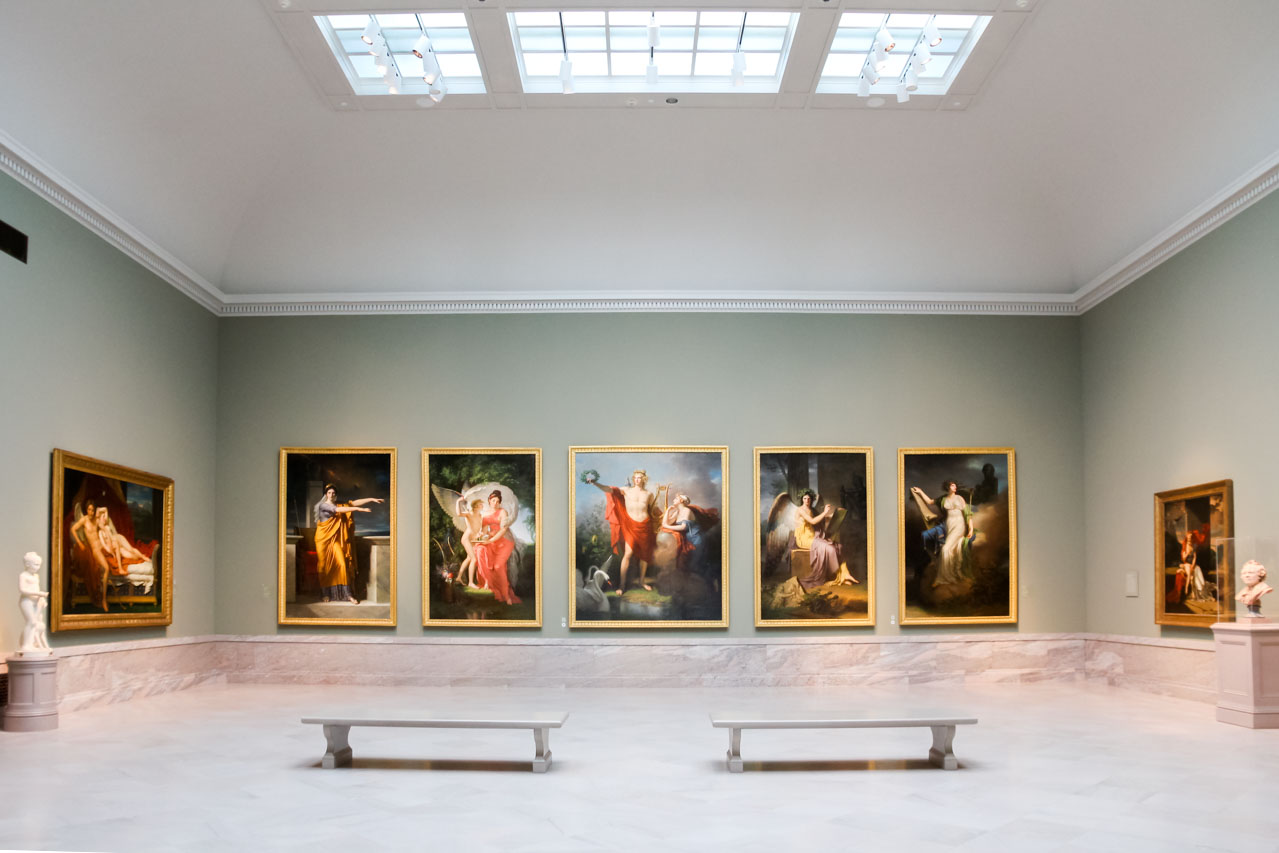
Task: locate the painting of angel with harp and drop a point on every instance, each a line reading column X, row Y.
column 481, row 554
column 815, row 551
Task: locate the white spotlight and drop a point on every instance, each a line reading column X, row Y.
column 879, row 57
column 912, row 77
column 430, row 68
column 378, row 46
column 566, row 76
column 870, row 73
column 392, row 78
column 371, row 31
column 739, row 69
column 422, row 47
column 654, row 32
column 650, row 73
column 885, row 40
column 863, row 87
column 923, row 55
column 383, row 62
column 438, row 90
column 903, row 94
column 932, row 36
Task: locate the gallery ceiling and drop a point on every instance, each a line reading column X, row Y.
column 201, row 130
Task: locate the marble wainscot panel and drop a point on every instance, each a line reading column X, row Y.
column 657, row 662
column 116, row 672
column 1183, row 668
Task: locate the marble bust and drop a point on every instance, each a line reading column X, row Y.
column 1253, row 575
column 33, row 602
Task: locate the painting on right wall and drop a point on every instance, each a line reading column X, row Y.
column 1194, row 563
column 957, row 535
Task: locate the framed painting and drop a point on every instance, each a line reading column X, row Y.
column 482, row 537
column 957, row 535
column 112, row 545
column 1194, row 554
column 648, row 537
column 814, row 536
column 337, row 536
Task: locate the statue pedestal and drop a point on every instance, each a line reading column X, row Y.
column 33, row 693
column 1248, row 673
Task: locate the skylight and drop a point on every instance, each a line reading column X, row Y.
column 422, row 53
column 898, row 53
column 652, row 51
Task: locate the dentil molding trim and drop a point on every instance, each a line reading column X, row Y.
column 59, row 191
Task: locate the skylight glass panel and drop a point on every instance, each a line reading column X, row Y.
column 389, row 64
column 652, row 51
column 902, row 53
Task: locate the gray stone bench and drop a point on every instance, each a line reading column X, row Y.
column 942, row 724
column 337, row 728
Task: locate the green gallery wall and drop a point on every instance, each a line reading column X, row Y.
column 1181, row 386
column 102, row 358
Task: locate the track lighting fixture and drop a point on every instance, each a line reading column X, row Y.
column 371, row 31
column 911, row 77
column 885, row 39
column 383, row 61
column 870, row 73
column 430, row 68
column 654, row 31
column 567, row 84
column 903, row 94
column 438, row 90
column 863, row 87
column 378, row 46
column 739, row 68
column 879, row 57
column 923, row 55
column 422, row 46
column 650, row 73
column 932, row 36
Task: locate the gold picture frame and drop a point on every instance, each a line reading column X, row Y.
column 368, row 567
column 840, row 591
column 444, row 577
column 953, row 570
column 109, row 564
column 690, row 565
column 1194, row 565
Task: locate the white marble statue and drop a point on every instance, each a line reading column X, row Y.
column 1253, row 575
column 33, row 601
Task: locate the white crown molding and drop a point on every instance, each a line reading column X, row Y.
column 101, row 220
column 59, row 191
column 1249, row 189
column 660, row 303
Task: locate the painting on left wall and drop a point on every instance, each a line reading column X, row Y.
column 111, row 545
column 337, row 536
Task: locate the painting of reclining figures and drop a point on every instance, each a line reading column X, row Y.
column 481, row 543
column 337, row 536
column 647, row 537
column 957, row 535
column 112, row 540
column 814, row 536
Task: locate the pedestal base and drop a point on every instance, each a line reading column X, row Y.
column 33, row 694
column 1248, row 673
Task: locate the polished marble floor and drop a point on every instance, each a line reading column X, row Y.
column 1049, row 767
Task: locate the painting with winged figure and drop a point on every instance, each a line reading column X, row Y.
column 647, row 537
column 814, row 536
column 337, row 536
column 112, row 557
column 482, row 537
column 957, row 535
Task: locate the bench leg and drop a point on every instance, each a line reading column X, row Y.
column 339, row 750
column 942, row 755
column 542, row 750
column 734, row 750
